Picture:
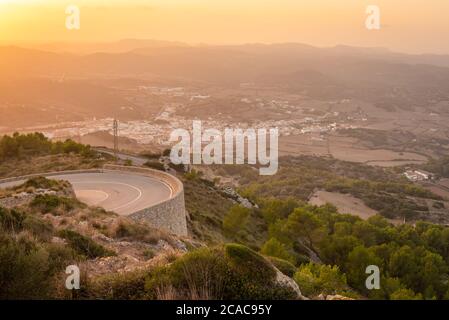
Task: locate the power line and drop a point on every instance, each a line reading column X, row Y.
column 115, row 129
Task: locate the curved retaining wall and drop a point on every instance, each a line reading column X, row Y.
column 169, row 215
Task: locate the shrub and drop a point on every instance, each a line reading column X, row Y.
column 41, row 229
column 151, row 155
column 405, row 294
column 229, row 272
column 249, row 262
column 138, row 232
column 126, row 286
column 50, row 203
column 200, row 274
column 43, row 183
column 177, row 167
column 84, row 245
column 274, row 248
column 33, row 144
column 154, row 165
column 274, row 209
column 14, row 221
column 235, row 219
column 11, row 220
column 166, row 152
column 148, row 254
column 314, row 279
column 24, row 269
column 284, row 266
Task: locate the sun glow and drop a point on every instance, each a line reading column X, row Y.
column 318, row 22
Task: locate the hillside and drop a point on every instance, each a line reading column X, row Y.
column 275, row 247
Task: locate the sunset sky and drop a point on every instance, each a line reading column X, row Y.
column 407, row 25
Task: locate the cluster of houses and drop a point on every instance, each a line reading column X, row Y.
column 419, row 175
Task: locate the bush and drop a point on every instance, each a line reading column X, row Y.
column 235, row 219
column 177, row 167
column 200, row 274
column 166, row 152
column 151, row 155
column 41, row 229
column 274, row 209
column 50, row 203
column 84, row 245
column 405, row 294
column 34, row 144
column 154, row 165
column 249, row 262
column 284, row 266
column 25, row 271
column 126, row 286
column 314, row 279
column 42, row 183
column 274, row 248
column 138, row 232
column 11, row 220
column 14, row 221
column 230, row 272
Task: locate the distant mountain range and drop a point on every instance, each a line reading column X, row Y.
column 376, row 75
column 219, row 63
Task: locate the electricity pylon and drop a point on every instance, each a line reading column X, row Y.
column 115, row 129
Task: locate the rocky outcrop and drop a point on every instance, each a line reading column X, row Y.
column 288, row 282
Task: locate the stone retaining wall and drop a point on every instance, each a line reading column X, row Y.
column 169, row 215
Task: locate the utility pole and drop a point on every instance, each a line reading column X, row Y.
column 115, row 129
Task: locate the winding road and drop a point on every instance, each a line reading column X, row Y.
column 123, row 193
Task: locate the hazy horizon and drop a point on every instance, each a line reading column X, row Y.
column 323, row 23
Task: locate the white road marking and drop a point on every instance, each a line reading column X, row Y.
column 84, row 193
column 120, row 183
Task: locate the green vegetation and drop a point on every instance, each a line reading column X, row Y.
column 383, row 190
column 22, row 154
column 284, row 266
column 236, row 219
column 208, row 206
column 29, row 262
column 415, row 259
column 440, row 167
column 34, row 144
column 56, row 205
column 128, row 231
column 225, row 272
column 154, row 165
column 44, row 183
column 398, row 140
column 315, row 279
column 274, row 248
column 151, row 155
column 84, row 245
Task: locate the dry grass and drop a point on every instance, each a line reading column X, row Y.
column 125, row 229
column 60, row 162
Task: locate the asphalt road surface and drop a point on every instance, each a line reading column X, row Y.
column 123, row 193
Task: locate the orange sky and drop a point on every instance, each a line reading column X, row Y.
column 407, row 25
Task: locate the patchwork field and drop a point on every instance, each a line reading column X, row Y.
column 346, row 149
column 344, row 202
